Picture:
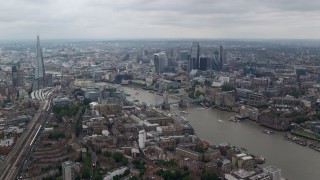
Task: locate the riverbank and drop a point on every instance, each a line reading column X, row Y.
column 315, row 145
column 308, row 135
column 297, row 162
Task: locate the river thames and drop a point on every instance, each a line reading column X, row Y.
column 297, row 162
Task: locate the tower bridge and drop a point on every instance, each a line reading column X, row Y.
column 182, row 102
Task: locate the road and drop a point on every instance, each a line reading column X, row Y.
column 12, row 164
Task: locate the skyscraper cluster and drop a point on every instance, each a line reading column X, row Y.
column 205, row 63
column 193, row 60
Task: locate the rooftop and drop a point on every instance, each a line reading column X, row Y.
column 271, row 169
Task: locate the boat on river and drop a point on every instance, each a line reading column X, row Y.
column 234, row 119
column 184, row 112
column 266, row 131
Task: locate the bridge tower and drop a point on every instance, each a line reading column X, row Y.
column 165, row 104
column 183, row 99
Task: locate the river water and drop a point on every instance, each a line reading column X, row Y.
column 213, row 125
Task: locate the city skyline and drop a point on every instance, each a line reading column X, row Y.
column 139, row 19
column 262, row 98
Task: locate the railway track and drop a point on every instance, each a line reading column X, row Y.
column 13, row 163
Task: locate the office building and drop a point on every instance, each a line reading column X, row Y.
column 92, row 95
column 142, row 139
column 20, row 78
column 204, row 63
column 222, row 57
column 14, row 76
column 68, row 171
column 107, row 92
column 39, row 78
column 184, row 56
column 160, row 62
column 49, row 79
column 194, row 58
column 216, row 61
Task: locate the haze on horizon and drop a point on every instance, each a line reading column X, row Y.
column 134, row 19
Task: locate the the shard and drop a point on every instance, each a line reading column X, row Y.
column 39, row 77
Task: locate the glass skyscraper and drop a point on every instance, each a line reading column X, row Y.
column 194, row 59
column 39, row 75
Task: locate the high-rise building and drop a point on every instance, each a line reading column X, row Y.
column 195, row 54
column 216, row 61
column 160, row 62
column 14, row 76
column 184, row 55
column 49, row 79
column 142, row 139
column 145, row 53
column 222, row 57
column 68, row 171
column 20, row 77
column 39, row 77
column 204, row 63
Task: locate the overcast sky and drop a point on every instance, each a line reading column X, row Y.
column 113, row 19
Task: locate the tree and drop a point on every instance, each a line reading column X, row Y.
column 117, row 156
column 126, row 173
column 86, row 172
column 86, row 168
column 195, row 83
column 185, row 168
column 133, row 178
column 178, row 174
column 125, row 161
column 97, row 175
column 227, row 87
column 187, row 178
column 198, row 93
column 107, row 154
column 56, row 135
column 86, row 101
column 209, row 176
column 207, row 83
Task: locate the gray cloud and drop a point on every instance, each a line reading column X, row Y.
column 159, row 19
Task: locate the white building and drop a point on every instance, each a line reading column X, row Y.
column 142, row 139
column 224, row 79
column 111, row 174
column 68, row 172
column 274, row 172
